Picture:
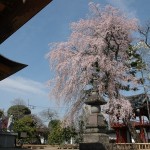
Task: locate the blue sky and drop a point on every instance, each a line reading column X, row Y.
column 29, row 45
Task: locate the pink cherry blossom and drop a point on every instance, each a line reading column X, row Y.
column 103, row 37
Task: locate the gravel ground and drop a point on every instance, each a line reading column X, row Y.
column 55, row 148
column 48, row 147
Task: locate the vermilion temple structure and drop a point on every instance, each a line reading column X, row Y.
column 9, row 67
column 141, row 123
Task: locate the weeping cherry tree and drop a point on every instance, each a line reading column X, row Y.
column 97, row 45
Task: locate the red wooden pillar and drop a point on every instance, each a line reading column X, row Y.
column 142, row 132
column 121, row 135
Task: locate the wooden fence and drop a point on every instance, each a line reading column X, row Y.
column 133, row 146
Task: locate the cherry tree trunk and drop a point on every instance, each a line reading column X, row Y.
column 133, row 132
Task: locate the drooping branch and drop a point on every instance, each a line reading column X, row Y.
column 145, row 32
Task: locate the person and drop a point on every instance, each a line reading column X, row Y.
column 1, row 122
column 10, row 124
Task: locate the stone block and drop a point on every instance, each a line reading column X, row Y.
column 96, row 120
column 96, row 138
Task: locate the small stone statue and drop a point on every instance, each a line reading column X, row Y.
column 10, row 124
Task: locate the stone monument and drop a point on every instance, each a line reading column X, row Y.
column 95, row 137
column 1, row 119
column 10, row 124
column 7, row 139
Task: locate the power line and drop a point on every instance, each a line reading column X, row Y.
column 36, row 106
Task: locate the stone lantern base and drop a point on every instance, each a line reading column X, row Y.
column 94, row 141
column 96, row 138
column 92, row 146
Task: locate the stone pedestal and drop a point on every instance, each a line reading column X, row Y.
column 7, row 139
column 96, row 138
column 96, row 124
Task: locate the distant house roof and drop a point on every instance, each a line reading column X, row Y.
column 137, row 101
column 9, row 67
column 140, row 102
column 15, row 13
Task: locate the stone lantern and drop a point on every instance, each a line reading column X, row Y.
column 94, row 137
column 96, row 123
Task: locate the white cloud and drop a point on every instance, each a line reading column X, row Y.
column 23, row 85
column 33, row 93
